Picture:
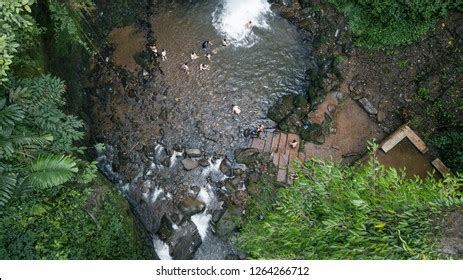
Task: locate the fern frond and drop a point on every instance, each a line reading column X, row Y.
column 7, row 185
column 10, row 115
column 51, row 170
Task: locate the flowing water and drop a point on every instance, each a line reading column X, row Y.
column 260, row 65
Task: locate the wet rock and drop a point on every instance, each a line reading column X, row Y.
column 184, row 241
column 190, row 206
column 132, row 93
column 367, row 106
column 246, row 155
column 189, row 164
column 164, row 115
column 238, row 171
column 228, row 223
column 204, row 162
column 166, row 162
column 319, row 139
column 177, row 148
column 195, row 190
column 193, row 152
column 381, row 116
column 225, row 167
column 217, row 215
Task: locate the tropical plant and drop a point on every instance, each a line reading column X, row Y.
column 339, row 212
column 18, row 28
column 34, row 136
column 390, row 23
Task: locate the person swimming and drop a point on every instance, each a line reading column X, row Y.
column 203, row 66
column 194, row 56
column 249, row 25
column 224, row 42
column 164, row 54
column 206, row 44
column 208, row 56
column 154, row 49
column 185, row 68
column 236, row 109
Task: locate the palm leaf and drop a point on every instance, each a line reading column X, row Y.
column 51, row 170
column 7, row 185
column 10, row 115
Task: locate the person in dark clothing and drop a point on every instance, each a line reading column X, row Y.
column 206, row 44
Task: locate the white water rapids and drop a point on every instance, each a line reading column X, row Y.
column 232, row 17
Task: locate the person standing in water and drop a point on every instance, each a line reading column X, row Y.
column 154, row 50
column 185, row 68
column 208, row 56
column 250, row 25
column 206, row 45
column 194, row 56
column 224, row 42
column 203, row 66
column 164, row 55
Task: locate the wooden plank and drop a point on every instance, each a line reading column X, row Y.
column 301, row 156
column 282, row 143
column 415, row 139
column 268, row 143
column 440, row 166
column 281, row 176
column 275, row 141
column 393, row 140
column 258, row 144
column 283, row 160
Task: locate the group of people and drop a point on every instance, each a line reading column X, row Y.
column 206, row 46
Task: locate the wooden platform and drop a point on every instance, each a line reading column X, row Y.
column 282, row 154
column 399, row 135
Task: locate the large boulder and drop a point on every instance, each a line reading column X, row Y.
column 226, row 167
column 193, row 152
column 184, row 241
column 190, row 206
column 189, row 164
column 246, row 155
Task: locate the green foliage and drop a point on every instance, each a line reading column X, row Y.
column 34, row 135
column 51, row 170
column 70, row 225
column 450, row 147
column 17, row 28
column 391, row 23
column 340, row 212
column 65, row 22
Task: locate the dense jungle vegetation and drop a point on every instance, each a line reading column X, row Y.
column 53, row 202
column 55, row 205
column 335, row 211
column 391, row 23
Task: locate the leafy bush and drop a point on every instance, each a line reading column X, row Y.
column 450, row 148
column 390, row 23
column 64, row 224
column 340, row 212
column 17, row 28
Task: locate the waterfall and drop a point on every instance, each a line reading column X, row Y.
column 231, row 18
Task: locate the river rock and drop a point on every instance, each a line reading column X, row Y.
column 189, row 164
column 193, row 152
column 204, row 162
column 228, row 223
column 246, row 155
column 367, row 106
column 195, row 190
column 184, row 241
column 380, row 117
column 225, row 167
column 190, row 206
